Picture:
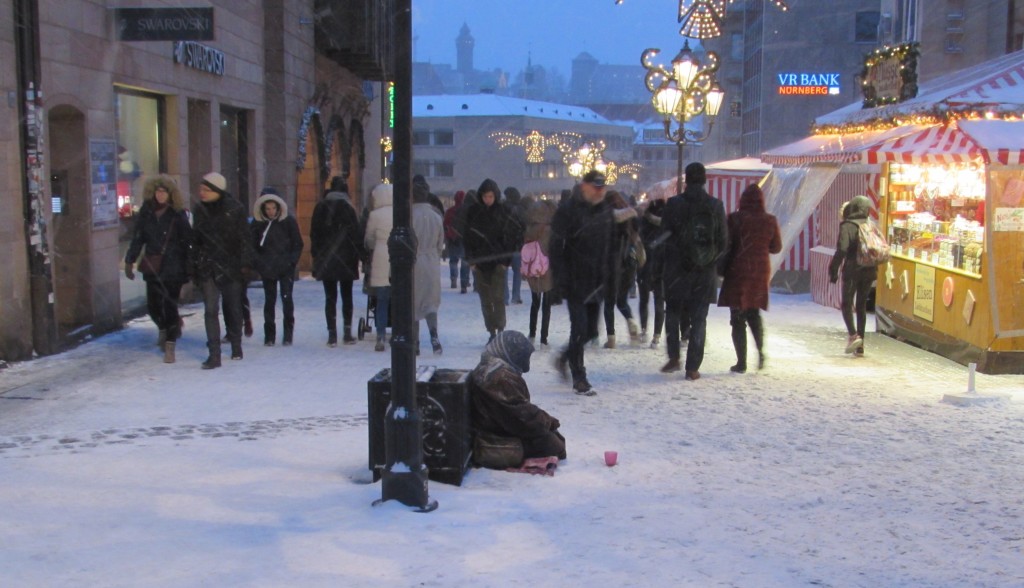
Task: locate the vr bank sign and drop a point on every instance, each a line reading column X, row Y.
column 808, row 84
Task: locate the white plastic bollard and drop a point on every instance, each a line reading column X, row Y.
column 970, row 378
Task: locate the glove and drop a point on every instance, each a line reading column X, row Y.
column 129, row 272
column 554, row 424
column 833, row 277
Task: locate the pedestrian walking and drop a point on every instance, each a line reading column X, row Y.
column 538, row 272
column 162, row 235
column 746, row 269
column 336, row 244
column 278, row 245
column 649, row 277
column 378, row 230
column 489, row 239
column 222, row 262
column 698, row 237
column 517, row 213
column 457, row 266
column 622, row 268
column 857, row 280
column 428, row 226
column 580, row 233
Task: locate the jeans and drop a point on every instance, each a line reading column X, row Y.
column 162, row 305
column 331, row 288
column 490, row 288
column 517, row 280
column 457, row 267
column 270, row 288
column 380, row 312
column 230, row 292
column 581, row 315
column 690, row 311
column 856, row 287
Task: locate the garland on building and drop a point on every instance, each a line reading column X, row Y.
column 941, row 113
column 307, row 118
column 906, row 54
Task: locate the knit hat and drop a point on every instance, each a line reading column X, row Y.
column 269, row 190
column 216, row 182
column 513, row 348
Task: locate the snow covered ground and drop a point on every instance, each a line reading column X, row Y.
column 822, row 470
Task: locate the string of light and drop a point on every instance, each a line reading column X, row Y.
column 702, row 19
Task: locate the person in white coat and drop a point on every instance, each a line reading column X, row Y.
column 428, row 226
column 378, row 230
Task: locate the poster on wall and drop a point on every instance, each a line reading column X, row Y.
column 103, row 182
column 924, row 292
column 1009, row 219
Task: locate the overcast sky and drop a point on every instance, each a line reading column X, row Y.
column 553, row 31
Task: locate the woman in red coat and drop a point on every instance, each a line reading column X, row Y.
column 753, row 235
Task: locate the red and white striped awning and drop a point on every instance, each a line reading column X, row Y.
column 834, row 148
column 1001, row 141
column 940, row 144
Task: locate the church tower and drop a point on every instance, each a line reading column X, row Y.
column 464, row 50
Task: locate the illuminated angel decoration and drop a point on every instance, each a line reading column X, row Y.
column 702, row 19
column 535, row 144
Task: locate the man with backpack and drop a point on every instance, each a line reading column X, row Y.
column 698, row 237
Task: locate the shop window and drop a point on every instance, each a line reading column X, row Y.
column 421, row 167
column 140, row 124
column 937, row 214
column 444, row 169
column 866, row 26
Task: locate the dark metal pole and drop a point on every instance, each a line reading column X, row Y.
column 679, row 166
column 404, row 477
column 30, row 111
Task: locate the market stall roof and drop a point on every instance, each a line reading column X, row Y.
column 1001, row 141
column 942, row 144
column 847, row 148
column 751, row 165
column 995, row 86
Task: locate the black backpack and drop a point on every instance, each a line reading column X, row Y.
column 700, row 226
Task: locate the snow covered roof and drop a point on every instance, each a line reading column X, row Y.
column 451, row 105
column 751, row 165
column 997, row 85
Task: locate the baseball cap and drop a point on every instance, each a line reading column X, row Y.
column 594, row 177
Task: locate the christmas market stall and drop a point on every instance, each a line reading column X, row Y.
column 945, row 168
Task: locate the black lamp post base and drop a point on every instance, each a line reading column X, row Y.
column 409, row 488
column 430, row 507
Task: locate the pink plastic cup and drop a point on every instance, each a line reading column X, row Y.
column 611, row 458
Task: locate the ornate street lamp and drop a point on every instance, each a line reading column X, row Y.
column 687, row 90
column 587, row 157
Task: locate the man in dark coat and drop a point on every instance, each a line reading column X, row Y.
column 501, row 399
column 489, row 237
column 580, row 234
column 222, row 260
column 689, row 286
column 747, row 270
column 278, row 245
column 336, row 244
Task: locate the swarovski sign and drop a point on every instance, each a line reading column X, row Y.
column 199, row 56
column 164, row 24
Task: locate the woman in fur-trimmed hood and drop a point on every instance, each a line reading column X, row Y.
column 501, row 399
column 161, row 229
column 278, row 245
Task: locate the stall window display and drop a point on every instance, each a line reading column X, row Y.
column 936, row 214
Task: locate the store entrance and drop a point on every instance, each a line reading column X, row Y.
column 234, row 152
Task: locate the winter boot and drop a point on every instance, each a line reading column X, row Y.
column 269, row 334
column 655, row 340
column 634, row 331
column 289, row 330
column 348, row 339
column 739, row 342
column 332, row 338
column 247, row 325
column 161, row 338
column 169, row 351
column 435, row 342
column 213, row 361
column 379, row 346
column 757, row 327
column 610, row 343
column 236, row 351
